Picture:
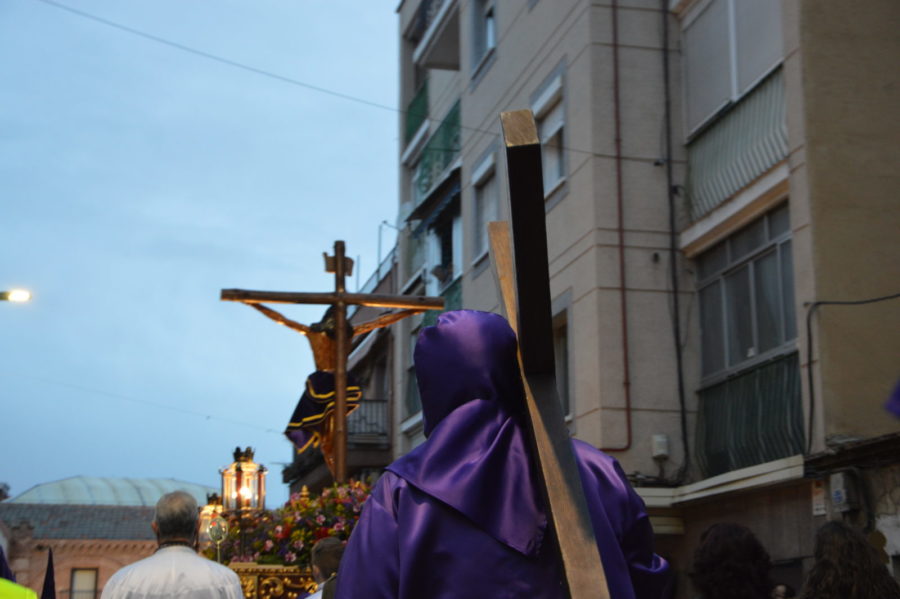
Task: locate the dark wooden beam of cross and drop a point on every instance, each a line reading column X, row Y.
column 339, row 299
column 524, row 281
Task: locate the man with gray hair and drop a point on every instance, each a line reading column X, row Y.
column 175, row 569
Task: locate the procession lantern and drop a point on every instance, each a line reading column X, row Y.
column 244, row 483
column 208, row 512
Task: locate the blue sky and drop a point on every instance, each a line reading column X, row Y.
column 136, row 181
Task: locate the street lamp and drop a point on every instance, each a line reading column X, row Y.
column 15, row 295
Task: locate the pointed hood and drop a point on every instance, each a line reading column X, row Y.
column 476, row 459
column 467, row 355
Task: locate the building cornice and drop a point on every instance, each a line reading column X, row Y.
column 760, row 476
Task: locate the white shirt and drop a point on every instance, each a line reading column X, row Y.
column 175, row 571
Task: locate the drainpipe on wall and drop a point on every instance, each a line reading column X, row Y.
column 620, row 229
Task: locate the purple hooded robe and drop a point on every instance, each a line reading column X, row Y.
column 461, row 515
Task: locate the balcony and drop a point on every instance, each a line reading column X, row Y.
column 752, row 418
column 738, row 148
column 368, row 447
column 368, row 424
column 439, row 154
column 452, row 295
column 435, row 31
column 416, row 112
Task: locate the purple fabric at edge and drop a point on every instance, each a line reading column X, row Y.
column 460, row 516
column 5, row 571
column 893, row 402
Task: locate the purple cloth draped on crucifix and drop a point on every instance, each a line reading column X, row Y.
column 461, row 515
column 308, row 423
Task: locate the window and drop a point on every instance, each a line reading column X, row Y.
column 548, row 109
column 413, row 404
column 484, row 31
column 485, row 183
column 550, row 129
column 561, row 354
column 746, row 291
column 84, row 583
column 444, row 251
column 729, row 46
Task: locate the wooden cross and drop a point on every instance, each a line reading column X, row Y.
column 330, row 340
column 524, row 281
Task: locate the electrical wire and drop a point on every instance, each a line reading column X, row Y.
column 810, row 310
column 145, row 402
column 289, row 80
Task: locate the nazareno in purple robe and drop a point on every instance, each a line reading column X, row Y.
column 461, row 515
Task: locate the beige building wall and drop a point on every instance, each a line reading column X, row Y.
column 574, row 39
column 843, row 85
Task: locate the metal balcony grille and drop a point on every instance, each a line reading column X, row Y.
column 738, row 148
column 369, row 422
column 439, row 153
column 752, row 418
column 425, row 15
column 416, row 112
column 452, row 295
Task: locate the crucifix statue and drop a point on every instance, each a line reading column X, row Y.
column 524, row 281
column 330, row 338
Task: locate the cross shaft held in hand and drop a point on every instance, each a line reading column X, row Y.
column 339, row 299
column 524, row 281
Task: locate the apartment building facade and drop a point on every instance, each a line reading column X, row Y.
column 722, row 222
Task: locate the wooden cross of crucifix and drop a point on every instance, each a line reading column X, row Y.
column 330, row 338
column 524, row 281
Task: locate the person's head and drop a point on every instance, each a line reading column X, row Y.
column 176, row 517
column 731, row 562
column 847, row 567
column 326, row 557
column 467, row 355
column 783, row 591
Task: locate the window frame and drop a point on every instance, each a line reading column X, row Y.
column 484, row 32
column 561, row 308
column 73, row 591
column 777, row 243
column 736, row 88
column 563, row 363
column 549, row 102
column 484, row 180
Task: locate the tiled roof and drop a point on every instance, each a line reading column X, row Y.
column 80, row 521
column 93, row 490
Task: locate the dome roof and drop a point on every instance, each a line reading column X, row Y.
column 91, row 490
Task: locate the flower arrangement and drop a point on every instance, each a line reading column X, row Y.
column 286, row 535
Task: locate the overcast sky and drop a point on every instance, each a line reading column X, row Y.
column 138, row 179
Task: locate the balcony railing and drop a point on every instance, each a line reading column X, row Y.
column 369, row 422
column 452, row 295
column 439, row 153
column 416, row 111
column 752, row 418
column 738, row 148
column 425, row 15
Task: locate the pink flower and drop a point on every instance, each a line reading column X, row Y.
column 290, row 557
column 320, row 519
column 269, row 545
column 278, row 530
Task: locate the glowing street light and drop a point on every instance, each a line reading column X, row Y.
column 15, row 295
